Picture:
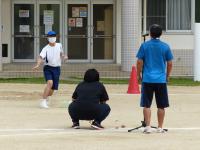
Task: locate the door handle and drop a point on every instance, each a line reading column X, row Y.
column 29, row 36
column 77, row 36
column 104, row 36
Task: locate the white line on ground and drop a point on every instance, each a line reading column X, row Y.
column 69, row 131
column 11, row 96
column 32, row 134
column 117, row 94
column 25, row 130
column 182, row 94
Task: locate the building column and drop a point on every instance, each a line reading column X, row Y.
column 131, row 32
column 197, row 42
column 0, row 40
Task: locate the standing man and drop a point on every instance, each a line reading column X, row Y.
column 154, row 66
column 52, row 55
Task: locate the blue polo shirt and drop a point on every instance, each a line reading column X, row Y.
column 154, row 54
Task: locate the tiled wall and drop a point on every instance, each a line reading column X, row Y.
column 183, row 62
column 130, row 32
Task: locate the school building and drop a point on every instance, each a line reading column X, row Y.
column 96, row 32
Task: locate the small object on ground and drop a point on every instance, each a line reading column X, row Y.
column 123, row 126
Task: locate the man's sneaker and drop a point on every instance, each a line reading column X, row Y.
column 76, row 125
column 96, row 125
column 160, row 130
column 43, row 104
column 147, row 130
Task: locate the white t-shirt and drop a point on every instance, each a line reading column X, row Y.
column 52, row 55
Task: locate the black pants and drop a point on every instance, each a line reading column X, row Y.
column 97, row 112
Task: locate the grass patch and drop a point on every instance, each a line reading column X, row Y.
column 75, row 80
column 183, row 82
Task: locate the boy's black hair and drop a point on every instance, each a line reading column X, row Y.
column 155, row 31
column 91, row 75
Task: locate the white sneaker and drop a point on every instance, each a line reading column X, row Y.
column 43, row 104
column 160, row 130
column 147, row 130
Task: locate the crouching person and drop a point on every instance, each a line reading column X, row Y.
column 89, row 101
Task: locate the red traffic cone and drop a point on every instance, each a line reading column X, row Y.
column 133, row 87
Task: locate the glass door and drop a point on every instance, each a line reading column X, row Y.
column 77, row 32
column 23, row 32
column 49, row 19
column 102, row 32
column 30, row 26
column 89, row 34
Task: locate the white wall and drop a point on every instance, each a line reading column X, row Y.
column 6, row 23
column 178, row 41
column 0, row 41
column 118, row 31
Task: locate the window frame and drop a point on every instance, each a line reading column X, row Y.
column 144, row 19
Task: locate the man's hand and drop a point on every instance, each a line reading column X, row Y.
column 167, row 79
column 139, row 69
column 35, row 68
column 139, row 78
column 169, row 69
column 64, row 57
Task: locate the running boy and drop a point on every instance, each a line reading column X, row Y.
column 52, row 55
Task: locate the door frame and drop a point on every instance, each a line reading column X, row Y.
column 36, row 25
column 90, row 4
column 64, row 27
column 38, row 22
column 88, row 34
column 12, row 36
column 93, row 2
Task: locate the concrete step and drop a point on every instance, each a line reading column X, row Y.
column 24, row 70
column 65, row 67
column 64, row 74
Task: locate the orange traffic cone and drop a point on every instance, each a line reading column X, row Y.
column 133, row 87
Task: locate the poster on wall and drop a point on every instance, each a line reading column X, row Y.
column 83, row 11
column 23, row 13
column 72, row 22
column 75, row 11
column 79, row 22
column 48, row 17
column 48, row 27
column 100, row 26
column 24, row 28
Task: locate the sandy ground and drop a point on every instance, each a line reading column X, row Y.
column 24, row 126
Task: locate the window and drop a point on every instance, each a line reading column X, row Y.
column 179, row 15
column 156, row 13
column 173, row 15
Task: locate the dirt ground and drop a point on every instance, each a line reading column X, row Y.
column 24, row 126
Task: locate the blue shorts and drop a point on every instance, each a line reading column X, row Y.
column 52, row 73
column 161, row 95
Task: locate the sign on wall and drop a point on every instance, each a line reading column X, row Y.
column 48, row 20
column 23, row 13
column 75, row 11
column 48, row 17
column 79, row 22
column 83, row 11
column 72, row 22
column 24, row 28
